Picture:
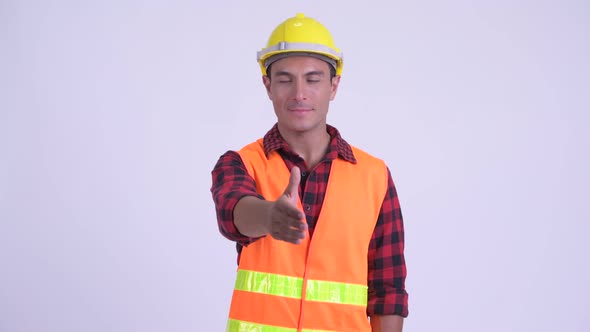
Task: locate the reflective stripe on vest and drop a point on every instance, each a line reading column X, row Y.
column 317, row 290
column 242, row 326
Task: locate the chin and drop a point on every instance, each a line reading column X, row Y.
column 300, row 127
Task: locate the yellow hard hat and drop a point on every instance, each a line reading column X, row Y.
column 303, row 35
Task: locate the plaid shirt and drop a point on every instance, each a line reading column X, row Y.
column 387, row 268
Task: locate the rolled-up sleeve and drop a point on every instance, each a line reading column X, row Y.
column 387, row 266
column 231, row 182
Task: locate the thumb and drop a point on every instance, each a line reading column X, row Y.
column 293, row 186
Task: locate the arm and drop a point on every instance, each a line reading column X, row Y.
column 388, row 299
column 387, row 323
column 244, row 215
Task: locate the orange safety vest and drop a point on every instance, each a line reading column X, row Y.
column 320, row 284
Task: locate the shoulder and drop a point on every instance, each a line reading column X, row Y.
column 252, row 147
column 253, row 151
column 229, row 159
column 364, row 157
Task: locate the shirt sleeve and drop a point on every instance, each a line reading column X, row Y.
column 387, row 266
column 231, row 182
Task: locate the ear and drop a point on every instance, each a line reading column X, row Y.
column 266, row 82
column 335, row 82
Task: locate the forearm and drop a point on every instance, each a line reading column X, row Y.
column 387, row 323
column 251, row 216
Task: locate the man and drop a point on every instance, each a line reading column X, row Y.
column 317, row 222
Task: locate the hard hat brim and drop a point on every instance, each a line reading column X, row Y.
column 273, row 58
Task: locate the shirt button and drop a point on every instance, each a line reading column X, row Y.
column 303, row 174
column 307, row 208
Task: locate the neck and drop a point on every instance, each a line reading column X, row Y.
column 311, row 146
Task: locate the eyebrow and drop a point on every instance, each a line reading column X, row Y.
column 311, row 73
column 315, row 72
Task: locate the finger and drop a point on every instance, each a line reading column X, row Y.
column 297, row 225
column 294, row 181
column 285, row 228
column 294, row 238
column 284, row 223
column 289, row 235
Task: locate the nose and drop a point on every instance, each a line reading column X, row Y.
column 299, row 90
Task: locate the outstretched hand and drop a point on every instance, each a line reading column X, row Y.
column 286, row 220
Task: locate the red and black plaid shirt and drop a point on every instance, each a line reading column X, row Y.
column 387, row 268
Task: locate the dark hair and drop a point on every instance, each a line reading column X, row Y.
column 332, row 71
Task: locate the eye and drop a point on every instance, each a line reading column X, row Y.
column 313, row 79
column 284, row 81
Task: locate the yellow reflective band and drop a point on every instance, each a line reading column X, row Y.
column 234, row 325
column 336, row 292
column 269, row 283
column 317, row 290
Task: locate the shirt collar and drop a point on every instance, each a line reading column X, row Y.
column 338, row 146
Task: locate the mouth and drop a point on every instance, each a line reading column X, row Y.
column 300, row 109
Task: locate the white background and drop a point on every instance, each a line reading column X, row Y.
column 113, row 113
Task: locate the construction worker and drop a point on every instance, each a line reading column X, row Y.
column 317, row 222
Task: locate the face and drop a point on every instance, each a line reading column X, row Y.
column 301, row 90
